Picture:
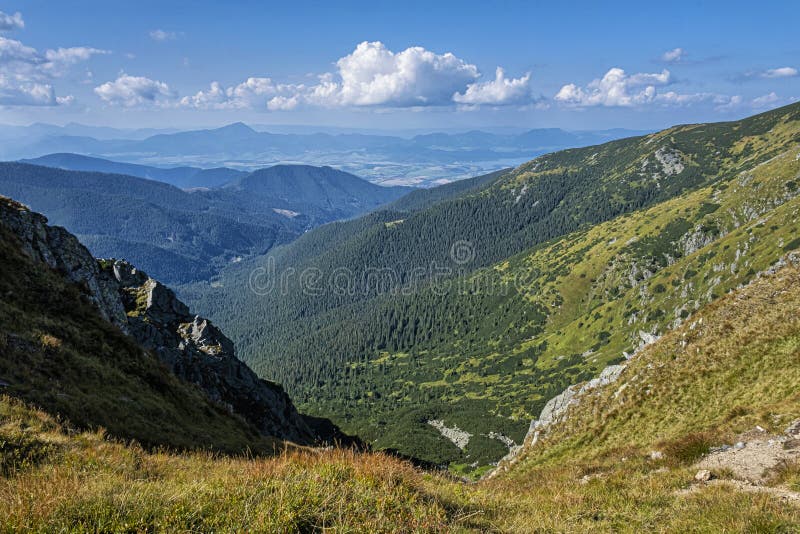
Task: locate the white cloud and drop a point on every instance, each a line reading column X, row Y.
column 766, row 100
column 282, row 103
column 500, row 91
column 734, row 102
column 11, row 22
column 614, row 89
column 781, row 72
column 719, row 101
column 252, row 93
column 161, row 35
column 58, row 61
column 26, row 74
column 129, row 91
column 373, row 75
column 770, row 101
column 14, row 51
column 673, row 56
column 15, row 92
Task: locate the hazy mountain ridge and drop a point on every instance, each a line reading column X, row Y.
column 183, row 177
column 420, row 160
column 188, row 235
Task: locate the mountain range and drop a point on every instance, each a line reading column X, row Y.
column 179, row 235
column 425, row 159
column 470, row 308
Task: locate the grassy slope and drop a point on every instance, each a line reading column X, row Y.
column 737, row 367
column 58, row 353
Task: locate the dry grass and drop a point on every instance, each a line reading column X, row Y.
column 90, row 483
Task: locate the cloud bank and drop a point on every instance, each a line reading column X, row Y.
column 374, row 76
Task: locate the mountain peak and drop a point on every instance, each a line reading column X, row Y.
column 237, row 128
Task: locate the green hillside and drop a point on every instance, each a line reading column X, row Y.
column 574, row 259
column 734, row 366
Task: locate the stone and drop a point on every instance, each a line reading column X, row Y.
column 656, row 455
column 704, row 475
column 794, row 428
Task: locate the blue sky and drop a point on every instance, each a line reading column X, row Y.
column 396, row 65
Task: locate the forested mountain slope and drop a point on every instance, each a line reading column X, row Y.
column 182, row 236
column 624, row 460
column 555, row 269
column 183, row 177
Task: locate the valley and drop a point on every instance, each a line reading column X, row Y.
column 588, row 341
column 579, row 258
column 430, row 267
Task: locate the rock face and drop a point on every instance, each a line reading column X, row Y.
column 198, row 352
column 60, row 250
column 556, row 410
column 190, row 346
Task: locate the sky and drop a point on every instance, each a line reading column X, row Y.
column 396, row 65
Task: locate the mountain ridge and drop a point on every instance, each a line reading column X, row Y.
column 184, row 235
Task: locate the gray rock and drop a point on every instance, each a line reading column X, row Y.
column 704, row 475
column 61, row 251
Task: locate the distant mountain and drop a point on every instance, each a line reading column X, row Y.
column 322, row 188
column 421, row 160
column 183, row 177
column 178, row 235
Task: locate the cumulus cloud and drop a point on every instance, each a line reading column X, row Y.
column 781, row 72
column 766, row 100
column 11, row 22
column 500, row 91
column 59, row 60
column 252, row 93
column 373, row 75
column 673, row 56
column 26, row 93
column 615, row 89
column 161, row 35
column 283, row 103
column 129, row 91
column 26, row 75
column 717, row 100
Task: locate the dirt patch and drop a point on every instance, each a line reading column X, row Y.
column 748, row 464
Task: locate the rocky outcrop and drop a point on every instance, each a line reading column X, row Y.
column 198, row 352
column 555, row 411
column 60, row 250
column 191, row 347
